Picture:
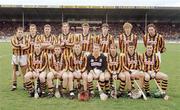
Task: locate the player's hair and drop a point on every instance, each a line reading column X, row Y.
column 149, row 44
column 127, row 25
column 65, row 23
column 20, row 28
column 131, row 44
column 151, row 25
column 32, row 25
column 85, row 24
column 113, row 45
column 105, row 25
column 57, row 46
column 47, row 25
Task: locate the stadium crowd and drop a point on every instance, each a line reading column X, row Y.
column 169, row 31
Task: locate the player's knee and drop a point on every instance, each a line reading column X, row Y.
column 27, row 76
column 42, row 77
column 102, row 78
column 147, row 77
column 122, row 77
column 165, row 77
column 107, row 76
column 65, row 76
column 90, row 78
column 70, row 76
column 49, row 76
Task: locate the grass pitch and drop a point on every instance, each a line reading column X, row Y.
column 19, row 100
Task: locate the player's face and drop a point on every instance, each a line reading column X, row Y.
column 151, row 31
column 96, row 49
column 77, row 49
column 127, row 30
column 149, row 49
column 65, row 28
column 32, row 30
column 131, row 49
column 47, row 30
column 37, row 48
column 113, row 51
column 85, row 29
column 19, row 33
column 105, row 30
column 57, row 50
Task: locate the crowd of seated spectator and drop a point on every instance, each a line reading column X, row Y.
column 168, row 30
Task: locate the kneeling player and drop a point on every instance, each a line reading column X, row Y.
column 78, row 62
column 151, row 69
column 37, row 63
column 133, row 62
column 96, row 66
column 58, row 67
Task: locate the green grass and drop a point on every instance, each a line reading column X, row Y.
column 19, row 100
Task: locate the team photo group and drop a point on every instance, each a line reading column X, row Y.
column 84, row 65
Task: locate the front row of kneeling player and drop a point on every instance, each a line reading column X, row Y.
column 95, row 66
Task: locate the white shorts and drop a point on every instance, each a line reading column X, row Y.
column 135, row 71
column 21, row 60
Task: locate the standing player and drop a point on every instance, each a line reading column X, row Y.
column 86, row 39
column 58, row 65
column 151, row 69
column 78, row 63
column 96, row 66
column 37, row 63
column 66, row 39
column 156, row 39
column 133, row 62
column 32, row 37
column 19, row 57
column 127, row 37
column 48, row 40
column 105, row 39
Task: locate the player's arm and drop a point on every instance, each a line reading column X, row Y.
column 157, row 66
column 135, row 40
column 84, row 64
column 109, row 66
column 13, row 42
column 89, row 68
column 71, row 63
column 51, row 65
column 30, row 63
column 124, row 63
column 145, row 40
column 45, row 61
column 104, row 64
column 120, row 42
column 162, row 44
column 66, row 62
column 140, row 62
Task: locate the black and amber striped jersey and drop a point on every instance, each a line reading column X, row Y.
column 77, row 62
column 58, row 62
column 16, row 48
column 124, row 41
column 134, row 62
column 157, row 41
column 66, row 42
column 105, row 42
column 151, row 63
column 32, row 40
column 37, row 61
column 86, row 42
column 51, row 40
column 114, row 63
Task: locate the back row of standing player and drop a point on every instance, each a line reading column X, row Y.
column 61, row 57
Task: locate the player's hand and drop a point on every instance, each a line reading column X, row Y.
column 114, row 76
column 152, row 74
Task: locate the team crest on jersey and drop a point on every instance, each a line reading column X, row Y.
column 113, row 63
column 37, row 62
column 152, row 42
column 104, row 42
column 77, row 62
column 149, row 62
column 92, row 60
column 100, row 60
column 132, row 62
